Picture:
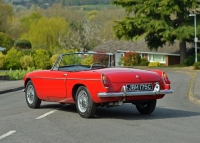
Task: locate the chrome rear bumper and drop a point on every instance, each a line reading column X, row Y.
column 124, row 93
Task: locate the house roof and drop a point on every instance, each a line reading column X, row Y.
column 2, row 49
column 140, row 47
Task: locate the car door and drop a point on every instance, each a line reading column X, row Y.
column 55, row 82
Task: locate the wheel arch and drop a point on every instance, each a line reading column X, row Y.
column 26, row 82
column 74, row 90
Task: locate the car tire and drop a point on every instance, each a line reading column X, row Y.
column 84, row 104
column 31, row 96
column 146, row 107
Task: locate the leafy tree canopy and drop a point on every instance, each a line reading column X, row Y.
column 47, row 33
column 6, row 14
column 6, row 41
column 31, row 19
column 160, row 21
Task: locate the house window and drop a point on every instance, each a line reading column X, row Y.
column 118, row 57
column 157, row 58
column 142, row 55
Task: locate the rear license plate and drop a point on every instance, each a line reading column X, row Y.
column 139, row 87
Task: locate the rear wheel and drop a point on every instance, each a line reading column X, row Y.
column 84, row 104
column 146, row 107
column 31, row 97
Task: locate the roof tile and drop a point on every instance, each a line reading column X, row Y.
column 112, row 46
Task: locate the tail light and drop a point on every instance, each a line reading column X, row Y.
column 165, row 77
column 105, row 81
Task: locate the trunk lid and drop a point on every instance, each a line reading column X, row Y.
column 128, row 75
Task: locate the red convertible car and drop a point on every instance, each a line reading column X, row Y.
column 89, row 80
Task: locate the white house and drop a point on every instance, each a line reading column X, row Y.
column 167, row 55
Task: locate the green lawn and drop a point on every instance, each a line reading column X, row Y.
column 3, row 72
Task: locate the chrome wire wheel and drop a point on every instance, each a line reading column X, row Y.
column 82, row 101
column 32, row 99
column 30, row 94
column 84, row 104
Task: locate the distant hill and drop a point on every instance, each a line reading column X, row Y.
column 47, row 3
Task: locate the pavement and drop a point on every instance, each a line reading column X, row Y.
column 196, row 86
column 194, row 94
column 10, row 86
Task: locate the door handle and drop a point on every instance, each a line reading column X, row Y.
column 64, row 74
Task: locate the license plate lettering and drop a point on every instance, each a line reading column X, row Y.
column 140, row 87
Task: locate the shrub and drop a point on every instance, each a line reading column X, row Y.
column 154, row 64
column 12, row 60
column 144, row 62
column 121, row 61
column 16, row 74
column 132, row 59
column 196, row 66
column 23, row 44
column 70, row 60
column 26, row 61
column 53, row 59
column 19, row 74
column 189, row 61
column 42, row 59
column 6, row 41
column 88, row 60
column 100, row 58
column 2, row 60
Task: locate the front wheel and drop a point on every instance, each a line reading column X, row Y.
column 84, row 104
column 31, row 97
column 146, row 107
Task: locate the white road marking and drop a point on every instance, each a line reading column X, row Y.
column 7, row 134
column 46, row 114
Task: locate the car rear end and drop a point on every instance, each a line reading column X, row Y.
column 133, row 84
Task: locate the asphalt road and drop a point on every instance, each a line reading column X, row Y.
column 175, row 120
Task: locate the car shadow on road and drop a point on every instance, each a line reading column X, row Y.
column 127, row 112
column 133, row 114
column 50, row 106
column 60, row 107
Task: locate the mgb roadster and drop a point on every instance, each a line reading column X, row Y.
column 89, row 80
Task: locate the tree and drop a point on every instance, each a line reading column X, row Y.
column 160, row 21
column 6, row 14
column 47, row 33
column 6, row 41
column 31, row 19
column 83, row 36
column 22, row 21
column 68, row 13
column 105, row 21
